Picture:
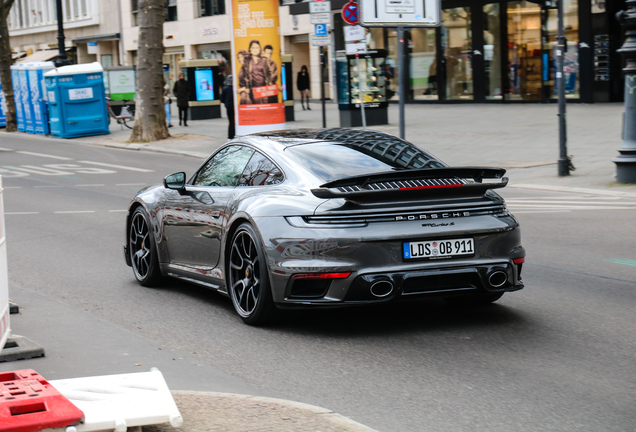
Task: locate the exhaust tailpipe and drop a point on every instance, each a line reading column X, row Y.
column 497, row 279
column 381, row 288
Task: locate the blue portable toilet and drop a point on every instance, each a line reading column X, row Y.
column 37, row 96
column 25, row 98
column 3, row 109
column 17, row 97
column 77, row 100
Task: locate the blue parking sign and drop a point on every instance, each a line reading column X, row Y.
column 320, row 29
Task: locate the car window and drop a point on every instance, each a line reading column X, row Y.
column 260, row 171
column 225, row 168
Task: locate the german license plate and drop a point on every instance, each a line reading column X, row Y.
column 439, row 249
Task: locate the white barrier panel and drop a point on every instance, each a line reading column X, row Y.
column 4, row 279
column 117, row 402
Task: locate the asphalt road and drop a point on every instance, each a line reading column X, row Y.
column 556, row 356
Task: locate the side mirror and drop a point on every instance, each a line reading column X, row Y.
column 175, row 181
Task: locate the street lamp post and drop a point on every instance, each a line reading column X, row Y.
column 62, row 60
column 626, row 161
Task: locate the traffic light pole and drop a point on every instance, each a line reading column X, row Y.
column 626, row 161
column 62, row 60
column 322, row 86
column 402, row 77
column 564, row 164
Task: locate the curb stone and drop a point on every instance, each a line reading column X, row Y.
column 210, row 411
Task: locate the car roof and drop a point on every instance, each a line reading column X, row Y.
column 368, row 141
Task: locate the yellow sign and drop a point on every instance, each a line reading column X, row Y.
column 256, row 66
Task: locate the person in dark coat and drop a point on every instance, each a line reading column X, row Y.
column 181, row 91
column 302, row 84
column 227, row 97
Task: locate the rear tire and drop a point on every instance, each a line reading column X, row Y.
column 473, row 299
column 142, row 250
column 248, row 278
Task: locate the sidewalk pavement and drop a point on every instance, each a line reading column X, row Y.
column 523, row 138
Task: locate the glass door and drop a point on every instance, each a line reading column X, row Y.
column 524, row 51
column 491, row 32
column 457, row 47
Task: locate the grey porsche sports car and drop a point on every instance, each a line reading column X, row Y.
column 324, row 218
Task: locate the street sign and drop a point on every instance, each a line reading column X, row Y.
column 320, row 18
column 320, row 30
column 356, row 48
column 350, row 13
column 320, row 40
column 354, row 33
column 319, row 6
column 395, row 13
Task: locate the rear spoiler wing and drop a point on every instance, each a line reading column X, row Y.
column 413, row 184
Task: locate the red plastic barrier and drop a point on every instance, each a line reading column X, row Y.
column 28, row 403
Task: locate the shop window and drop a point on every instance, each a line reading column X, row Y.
column 492, row 51
column 571, row 63
column 525, row 62
column 423, row 62
column 211, row 7
column 171, row 10
column 457, row 40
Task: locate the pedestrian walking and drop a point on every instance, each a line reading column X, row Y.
column 227, row 97
column 302, row 84
column 181, row 90
column 167, row 102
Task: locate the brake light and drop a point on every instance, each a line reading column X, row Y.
column 431, row 187
column 321, row 276
column 519, row 260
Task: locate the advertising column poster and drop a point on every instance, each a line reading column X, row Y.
column 256, row 66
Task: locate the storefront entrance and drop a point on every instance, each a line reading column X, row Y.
column 503, row 51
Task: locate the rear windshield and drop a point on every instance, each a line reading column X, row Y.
column 333, row 161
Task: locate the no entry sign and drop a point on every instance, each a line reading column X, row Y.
column 350, row 13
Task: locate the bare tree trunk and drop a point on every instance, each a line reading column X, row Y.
column 150, row 116
column 5, row 66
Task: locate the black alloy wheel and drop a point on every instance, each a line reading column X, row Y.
column 143, row 253
column 248, row 278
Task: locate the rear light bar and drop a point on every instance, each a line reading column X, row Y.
column 431, row 187
column 321, row 275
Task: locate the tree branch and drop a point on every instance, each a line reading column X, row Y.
column 7, row 7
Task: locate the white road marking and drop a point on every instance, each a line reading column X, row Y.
column 117, row 211
column 21, row 213
column 74, row 211
column 49, row 186
column 117, row 166
column 13, row 187
column 5, row 149
column 89, row 185
column 43, row 155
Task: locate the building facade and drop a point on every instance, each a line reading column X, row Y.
column 484, row 51
column 91, row 27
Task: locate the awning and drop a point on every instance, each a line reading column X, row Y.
column 38, row 56
column 104, row 37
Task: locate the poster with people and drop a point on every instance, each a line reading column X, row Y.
column 256, row 66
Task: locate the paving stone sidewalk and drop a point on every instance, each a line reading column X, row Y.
column 209, row 412
column 523, row 138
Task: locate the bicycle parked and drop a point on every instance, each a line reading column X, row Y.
column 126, row 116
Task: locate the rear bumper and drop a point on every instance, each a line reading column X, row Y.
column 388, row 286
